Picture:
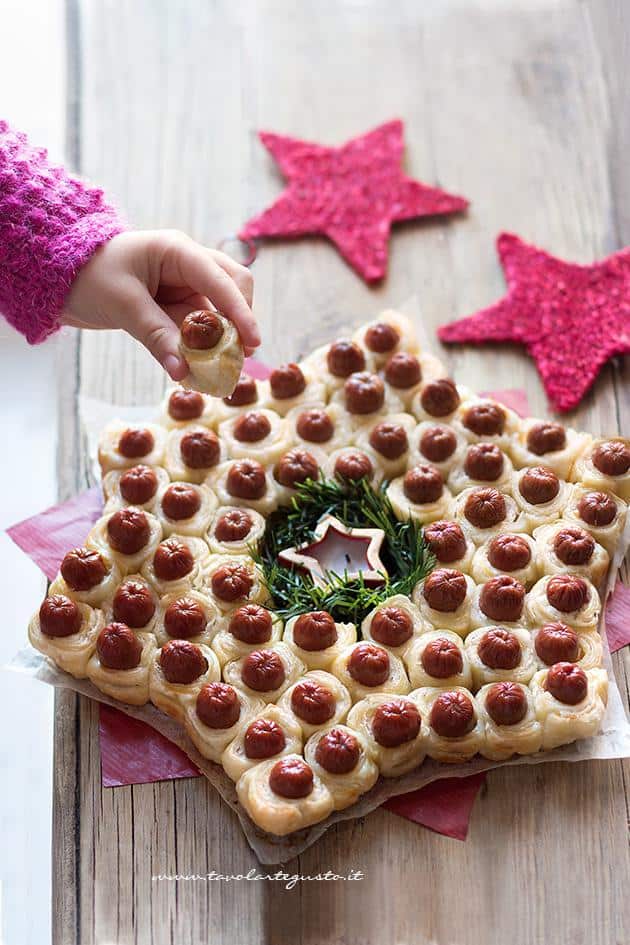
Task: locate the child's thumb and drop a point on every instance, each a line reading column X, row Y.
column 154, row 329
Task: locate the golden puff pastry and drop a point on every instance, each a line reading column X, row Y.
column 499, row 602
column 244, row 630
column 87, row 576
column 192, row 453
column 483, row 512
column 182, row 407
column 421, row 495
column 213, row 351
column 444, row 600
column 483, row 419
column 128, row 685
column 438, row 400
column 604, row 465
column 365, row 669
column 482, row 465
column 565, row 598
column 256, row 434
column 386, row 442
column 334, row 363
column 244, row 483
column 393, row 729
column 540, row 496
column 214, row 716
column 128, row 536
column 557, row 642
column 600, row 513
column 291, row 385
column 266, row 672
column 455, row 731
column 247, row 395
column 506, row 710
column 350, row 463
column 138, row 486
column 546, row 443
column 316, row 700
column 450, row 545
column 66, row 631
column 365, row 400
column 496, row 654
column 508, row 553
column 296, row 466
column 316, row 639
column 563, row 547
column 234, row 530
column 438, row 658
column 185, row 508
column 270, row 734
column 565, row 721
column 395, row 624
column 259, row 790
column 405, row 373
column 385, row 335
column 190, row 616
column 133, row 603
column 178, row 669
column 122, row 445
column 437, row 444
column 340, row 757
column 178, row 563
column 320, row 425
column 233, row 580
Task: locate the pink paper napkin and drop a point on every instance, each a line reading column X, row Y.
column 513, row 397
column 618, row 617
column 444, row 806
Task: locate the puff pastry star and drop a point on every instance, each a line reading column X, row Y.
column 571, row 318
column 340, row 550
column 351, row 194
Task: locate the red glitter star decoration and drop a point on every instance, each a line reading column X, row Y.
column 351, row 194
column 571, row 318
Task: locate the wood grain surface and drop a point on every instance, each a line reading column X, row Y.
column 522, row 107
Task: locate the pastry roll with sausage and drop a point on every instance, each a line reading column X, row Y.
column 244, row 482
column 244, row 630
column 290, row 385
column 339, row 756
column 178, row 669
column 247, row 395
column 405, row 373
column 565, row 547
column 449, row 545
column 234, row 530
column 393, row 729
column 271, row 734
column 569, row 702
column 134, row 603
column 444, row 600
column 349, row 463
column 138, row 486
column 438, row 400
column 540, row 496
column 319, row 425
column 600, row 513
column 316, row 700
column 295, row 467
column 120, row 664
column 233, row 580
column 316, row 639
column 190, row 616
column 128, row 536
column 66, row 631
column 506, row 710
column 334, row 363
column 266, row 672
column 256, row 434
column 177, row 564
column 365, row 668
column 182, row 407
column 436, row 444
column 483, row 419
column 508, row 553
column 496, row 654
column 604, row 465
column 214, row 716
column 567, row 598
column 484, row 512
column 285, row 795
column 192, row 453
column 385, row 335
column 500, row 601
column 366, row 400
column 455, row 730
column 394, row 624
column 483, row 465
column 214, row 353
column 421, row 495
column 546, row 443
column 438, row 658
column 185, row 508
column 122, row 445
column 559, row 643
column 386, row 442
column 87, row 576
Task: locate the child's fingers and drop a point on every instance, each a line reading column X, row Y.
column 158, row 333
column 241, row 275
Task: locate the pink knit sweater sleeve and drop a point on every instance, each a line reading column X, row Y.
column 50, row 224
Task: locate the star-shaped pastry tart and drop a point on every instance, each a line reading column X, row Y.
column 341, row 551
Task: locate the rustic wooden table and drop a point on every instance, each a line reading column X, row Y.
column 519, row 105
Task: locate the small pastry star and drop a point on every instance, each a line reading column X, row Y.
column 571, row 318
column 339, row 550
column 351, row 194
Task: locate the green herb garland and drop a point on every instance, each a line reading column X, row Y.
column 356, row 504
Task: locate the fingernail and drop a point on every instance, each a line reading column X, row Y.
column 175, row 367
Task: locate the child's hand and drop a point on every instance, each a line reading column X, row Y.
column 147, row 282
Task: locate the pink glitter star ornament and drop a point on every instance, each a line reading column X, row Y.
column 352, row 194
column 571, row 318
